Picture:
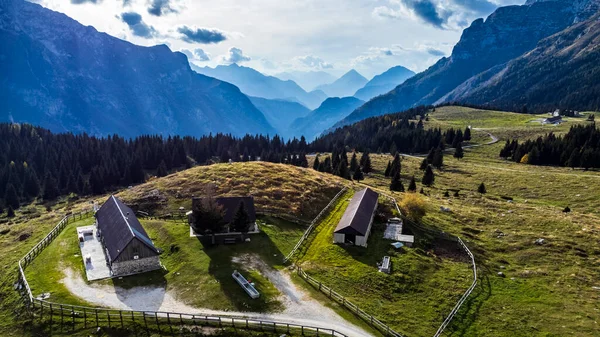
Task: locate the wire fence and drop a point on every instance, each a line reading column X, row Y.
column 88, row 317
column 332, row 294
column 313, row 224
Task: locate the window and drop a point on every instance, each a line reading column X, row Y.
column 136, row 257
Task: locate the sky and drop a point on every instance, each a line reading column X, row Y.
column 275, row 36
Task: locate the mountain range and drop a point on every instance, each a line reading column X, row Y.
column 256, row 84
column 344, row 86
column 64, row 76
column 324, row 117
column 484, row 49
column 280, row 113
column 308, row 80
column 384, row 82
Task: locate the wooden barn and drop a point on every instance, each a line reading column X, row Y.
column 230, row 206
column 128, row 248
column 355, row 226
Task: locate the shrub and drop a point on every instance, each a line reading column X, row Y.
column 481, row 189
column 413, row 207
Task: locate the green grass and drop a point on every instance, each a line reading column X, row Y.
column 413, row 299
column 199, row 275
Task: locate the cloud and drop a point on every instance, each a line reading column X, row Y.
column 160, row 7
column 79, row 2
column 235, row 55
column 201, row 35
column 126, row 3
column 313, row 62
column 443, row 14
column 197, row 55
column 137, row 26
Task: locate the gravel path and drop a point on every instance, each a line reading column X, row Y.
column 300, row 308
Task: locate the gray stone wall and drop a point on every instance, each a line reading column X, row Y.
column 135, row 266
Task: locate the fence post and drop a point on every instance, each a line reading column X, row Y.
column 61, row 317
column 108, row 315
column 97, row 321
column 84, row 318
column 121, row 316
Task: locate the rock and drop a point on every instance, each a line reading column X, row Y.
column 501, row 274
column 444, row 209
column 24, row 236
column 502, row 267
column 539, row 241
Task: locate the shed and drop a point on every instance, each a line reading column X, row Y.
column 128, row 248
column 355, row 226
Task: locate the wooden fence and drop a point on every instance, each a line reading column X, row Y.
column 88, row 317
column 313, row 224
column 374, row 322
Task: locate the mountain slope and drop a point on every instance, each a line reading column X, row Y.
column 506, row 34
column 280, row 113
column 254, row 83
column 64, row 76
column 322, row 118
column 308, row 80
column 345, row 85
column 563, row 71
column 384, row 82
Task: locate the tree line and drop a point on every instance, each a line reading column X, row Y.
column 579, row 148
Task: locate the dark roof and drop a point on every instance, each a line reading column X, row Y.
column 119, row 226
column 230, row 205
column 358, row 215
column 554, row 119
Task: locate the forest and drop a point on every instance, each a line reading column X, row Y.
column 579, row 148
column 36, row 163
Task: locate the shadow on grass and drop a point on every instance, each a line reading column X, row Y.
column 222, row 266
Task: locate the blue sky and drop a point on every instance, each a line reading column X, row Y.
column 274, row 35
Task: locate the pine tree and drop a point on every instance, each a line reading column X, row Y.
column 412, row 187
column 343, row 170
column 137, row 171
column 481, row 189
column 353, row 162
column 31, row 184
column 424, row 164
column 459, row 153
column 358, row 175
column 438, row 158
column 366, row 166
column 50, row 188
column 388, row 169
column 396, row 165
column 11, row 198
column 10, row 212
column 241, row 220
column 428, row 177
column 162, row 169
column 467, row 134
column 316, row 164
column 396, row 184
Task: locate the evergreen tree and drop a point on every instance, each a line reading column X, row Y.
column 11, row 198
column 412, row 187
column 72, row 184
column 316, row 164
column 438, row 158
column 424, row 164
column 358, row 174
column 162, row 169
column 10, row 212
column 481, row 189
column 459, row 153
column 137, row 171
column 353, row 162
column 241, row 220
column 31, row 184
column 396, row 184
column 50, row 188
column 396, row 165
column 388, row 169
column 428, row 177
column 343, row 170
column 467, row 134
column 366, row 165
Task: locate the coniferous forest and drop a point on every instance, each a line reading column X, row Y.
column 36, row 163
column 579, row 148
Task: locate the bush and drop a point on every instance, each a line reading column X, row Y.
column 481, row 189
column 413, row 207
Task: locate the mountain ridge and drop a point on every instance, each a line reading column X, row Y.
column 384, row 82
column 344, row 86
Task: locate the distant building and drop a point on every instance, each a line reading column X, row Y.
column 230, row 206
column 355, row 226
column 553, row 120
column 128, row 248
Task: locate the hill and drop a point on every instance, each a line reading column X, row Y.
column 254, row 83
column 506, row 34
column 65, row 76
column 344, row 86
column 322, row 118
column 384, row 82
column 561, row 72
column 280, row 113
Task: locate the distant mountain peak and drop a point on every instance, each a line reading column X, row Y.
column 345, row 85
